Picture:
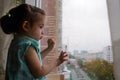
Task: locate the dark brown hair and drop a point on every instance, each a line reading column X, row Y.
column 11, row 22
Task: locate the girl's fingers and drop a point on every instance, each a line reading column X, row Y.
column 65, row 58
column 50, row 41
column 64, row 54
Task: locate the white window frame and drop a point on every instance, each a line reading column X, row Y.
column 36, row 3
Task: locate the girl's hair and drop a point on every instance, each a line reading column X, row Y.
column 11, row 22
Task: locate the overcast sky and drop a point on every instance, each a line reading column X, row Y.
column 85, row 25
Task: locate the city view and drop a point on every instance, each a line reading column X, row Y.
column 86, row 38
column 83, row 65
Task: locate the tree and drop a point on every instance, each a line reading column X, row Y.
column 102, row 69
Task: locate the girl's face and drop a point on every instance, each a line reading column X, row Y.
column 36, row 31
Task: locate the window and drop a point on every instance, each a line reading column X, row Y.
column 87, row 36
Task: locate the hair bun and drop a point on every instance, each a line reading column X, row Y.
column 4, row 22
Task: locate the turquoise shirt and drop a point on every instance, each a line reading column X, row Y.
column 16, row 68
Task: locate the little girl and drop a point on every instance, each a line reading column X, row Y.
column 24, row 61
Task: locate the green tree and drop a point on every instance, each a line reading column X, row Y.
column 102, row 69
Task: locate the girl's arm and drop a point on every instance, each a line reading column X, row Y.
column 45, row 52
column 48, row 49
column 35, row 66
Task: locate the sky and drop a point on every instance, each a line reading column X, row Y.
column 85, row 25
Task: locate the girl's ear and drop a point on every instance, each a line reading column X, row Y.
column 25, row 26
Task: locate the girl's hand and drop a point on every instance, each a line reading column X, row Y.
column 51, row 44
column 63, row 57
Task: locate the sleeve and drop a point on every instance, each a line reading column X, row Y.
column 26, row 46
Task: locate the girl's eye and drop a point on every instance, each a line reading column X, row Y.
column 41, row 26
